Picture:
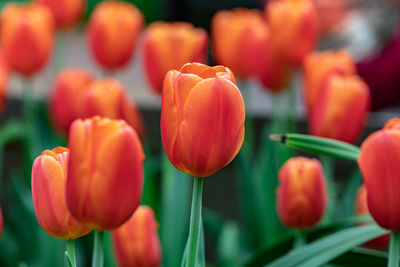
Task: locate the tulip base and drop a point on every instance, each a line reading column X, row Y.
column 98, row 253
column 394, row 250
column 70, row 253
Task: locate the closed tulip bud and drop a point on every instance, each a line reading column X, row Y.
column 170, row 45
column 66, row 13
column 66, row 101
column 112, row 32
column 379, row 165
column 341, row 109
column 49, row 176
column 202, row 118
column 294, row 28
column 4, row 72
column 27, row 32
column 318, row 65
column 105, row 172
column 136, row 242
column 301, row 194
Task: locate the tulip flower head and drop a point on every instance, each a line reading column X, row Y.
column 136, row 242
column 301, row 194
column 170, row 45
column 4, row 72
column 27, row 32
column 202, row 118
column 49, row 174
column 105, row 172
column 66, row 13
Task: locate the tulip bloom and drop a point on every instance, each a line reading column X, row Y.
column 341, row 109
column 301, row 194
column 66, row 13
column 107, row 98
column 168, row 46
column 136, row 242
column 294, row 28
column 4, row 72
column 27, row 32
column 65, row 103
column 202, row 118
column 49, row 174
column 112, row 32
column 318, row 65
column 105, row 172
column 379, row 165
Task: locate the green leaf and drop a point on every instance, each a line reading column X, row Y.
column 362, row 257
column 228, row 245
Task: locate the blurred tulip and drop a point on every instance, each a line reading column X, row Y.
column 66, row 101
column 379, row 165
column 107, row 98
column 27, row 32
column 202, row 118
column 113, row 28
column 105, row 172
column 66, row 13
column 331, row 14
column 361, row 208
column 168, row 46
column 317, row 66
column 301, row 194
column 294, row 27
column 49, row 174
column 4, row 72
column 341, row 109
column 136, row 242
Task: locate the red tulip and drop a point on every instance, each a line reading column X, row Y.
column 136, row 242
column 168, row 46
column 112, row 32
column 66, row 101
column 105, row 172
column 3, row 79
column 27, row 36
column 301, row 194
column 202, row 118
column 49, row 174
column 66, row 13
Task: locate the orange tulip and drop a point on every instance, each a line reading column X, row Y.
column 379, row 165
column 202, row 118
column 3, row 79
column 107, row 98
column 317, row 66
column 294, row 28
column 105, row 172
column 49, row 174
column 341, row 109
column 361, row 207
column 234, row 35
column 112, row 32
column 136, row 242
column 66, row 13
column 65, row 103
column 168, row 46
column 27, row 32
column 301, row 194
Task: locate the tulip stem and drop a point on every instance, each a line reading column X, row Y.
column 299, row 239
column 394, row 250
column 70, row 253
column 195, row 222
column 98, row 253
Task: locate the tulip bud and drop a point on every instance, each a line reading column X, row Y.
column 112, row 32
column 3, row 79
column 27, row 36
column 105, row 172
column 342, row 108
column 301, row 194
column 49, row 174
column 202, row 118
column 66, row 13
column 107, row 98
column 318, row 65
column 294, row 28
column 66, row 101
column 379, row 165
column 136, row 242
column 168, row 46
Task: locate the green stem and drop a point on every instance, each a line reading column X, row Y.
column 70, row 253
column 195, row 222
column 299, row 239
column 328, row 165
column 394, row 250
column 98, row 253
